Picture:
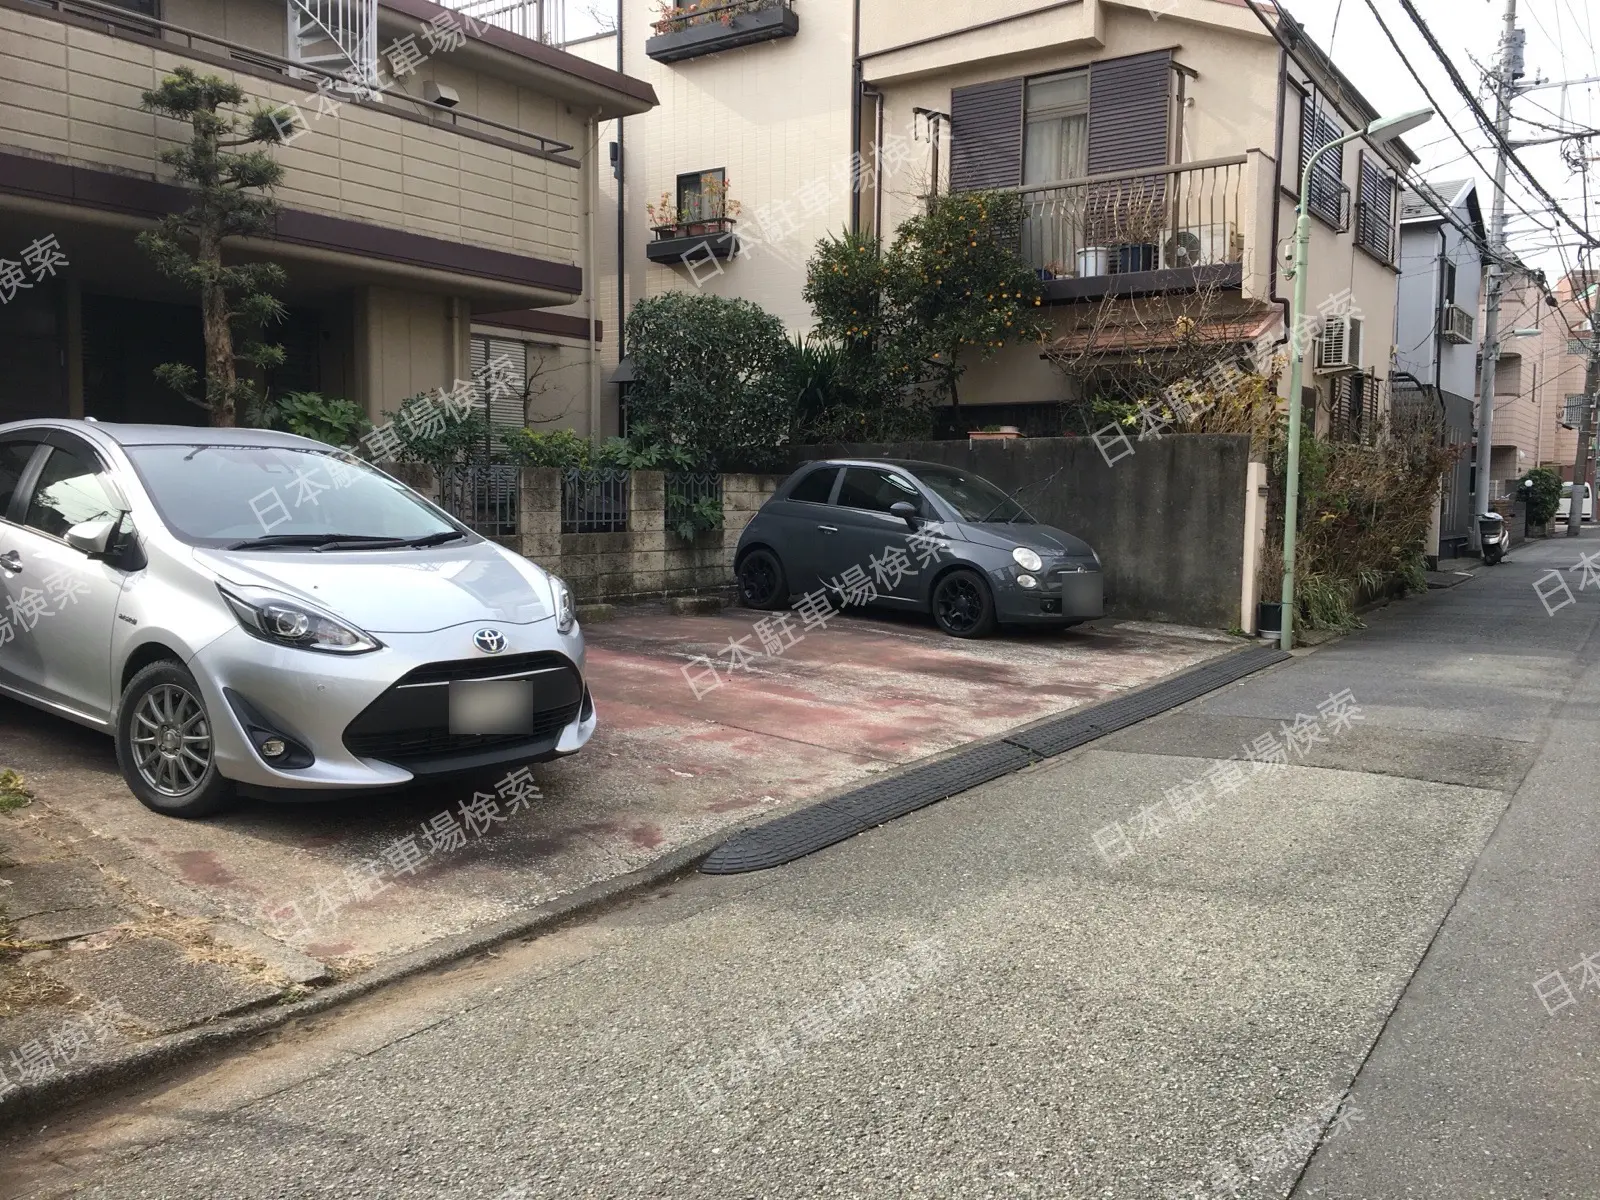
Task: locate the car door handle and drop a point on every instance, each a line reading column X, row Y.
column 11, row 561
column 828, row 528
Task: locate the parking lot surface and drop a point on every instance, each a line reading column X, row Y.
column 676, row 759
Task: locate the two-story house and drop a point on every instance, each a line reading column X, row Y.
column 1437, row 331
column 1157, row 146
column 437, row 203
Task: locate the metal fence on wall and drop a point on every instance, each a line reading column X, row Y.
column 686, row 491
column 484, row 496
column 594, row 501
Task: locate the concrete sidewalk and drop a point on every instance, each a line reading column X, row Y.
column 1486, row 1079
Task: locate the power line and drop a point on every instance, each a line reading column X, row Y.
column 1483, row 118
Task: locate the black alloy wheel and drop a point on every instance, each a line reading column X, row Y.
column 761, row 581
column 962, row 605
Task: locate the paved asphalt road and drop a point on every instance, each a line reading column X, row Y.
column 972, row 1002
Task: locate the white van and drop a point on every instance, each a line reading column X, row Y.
column 1566, row 502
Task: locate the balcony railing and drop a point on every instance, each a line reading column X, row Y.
column 1172, row 218
column 696, row 27
column 117, row 21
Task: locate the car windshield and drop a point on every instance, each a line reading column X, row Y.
column 972, row 496
column 281, row 496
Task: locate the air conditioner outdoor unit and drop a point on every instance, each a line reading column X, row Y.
column 1200, row 246
column 1457, row 324
column 1339, row 348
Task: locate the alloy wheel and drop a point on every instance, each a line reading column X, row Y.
column 959, row 604
column 758, row 580
column 171, row 740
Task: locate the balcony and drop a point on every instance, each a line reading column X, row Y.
column 1145, row 232
column 693, row 29
column 691, row 242
column 382, row 179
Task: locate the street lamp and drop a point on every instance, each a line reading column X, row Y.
column 1384, row 129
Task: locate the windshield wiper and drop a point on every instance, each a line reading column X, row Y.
column 314, row 540
column 436, row 539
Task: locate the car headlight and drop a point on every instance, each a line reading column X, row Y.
column 566, row 612
column 1027, row 559
column 290, row 623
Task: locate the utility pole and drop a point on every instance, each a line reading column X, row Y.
column 1580, row 468
column 1510, row 68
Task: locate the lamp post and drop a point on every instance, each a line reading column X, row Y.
column 1384, row 129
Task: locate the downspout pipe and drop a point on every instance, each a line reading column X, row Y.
column 591, row 187
column 622, row 224
column 856, row 79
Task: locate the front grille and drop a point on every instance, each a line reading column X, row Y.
column 410, row 745
column 410, row 722
column 485, row 668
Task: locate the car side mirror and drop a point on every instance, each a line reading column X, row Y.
column 93, row 537
column 906, row 511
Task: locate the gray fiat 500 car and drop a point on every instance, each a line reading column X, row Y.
column 917, row 536
column 241, row 607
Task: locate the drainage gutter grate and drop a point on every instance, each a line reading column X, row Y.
column 822, row 825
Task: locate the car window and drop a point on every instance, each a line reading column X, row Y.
column 214, row 495
column 815, row 487
column 14, row 460
column 875, row 490
column 70, row 491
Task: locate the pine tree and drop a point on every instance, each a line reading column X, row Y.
column 231, row 177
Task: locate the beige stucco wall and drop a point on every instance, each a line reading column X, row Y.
column 72, row 94
column 776, row 117
column 261, row 24
column 406, row 343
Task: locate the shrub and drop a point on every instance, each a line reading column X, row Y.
column 324, row 418
column 430, row 433
column 560, row 448
column 1542, row 487
column 709, row 377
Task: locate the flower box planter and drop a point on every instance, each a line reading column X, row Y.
column 692, row 241
column 994, row 435
column 709, row 34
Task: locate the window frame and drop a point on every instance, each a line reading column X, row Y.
column 28, row 487
column 699, row 178
column 17, row 505
column 1056, row 112
column 833, row 487
column 914, row 496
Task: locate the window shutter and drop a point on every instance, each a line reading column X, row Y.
column 1317, row 129
column 986, row 135
column 504, row 408
column 1375, row 214
column 1130, row 111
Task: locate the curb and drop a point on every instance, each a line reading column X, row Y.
column 140, row 1061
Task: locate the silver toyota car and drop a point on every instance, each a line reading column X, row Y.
column 245, row 608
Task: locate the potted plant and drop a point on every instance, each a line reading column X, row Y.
column 993, row 433
column 664, row 215
column 1136, row 224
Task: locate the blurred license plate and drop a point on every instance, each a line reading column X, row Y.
column 491, row 706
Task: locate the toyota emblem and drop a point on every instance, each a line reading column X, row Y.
column 490, row 641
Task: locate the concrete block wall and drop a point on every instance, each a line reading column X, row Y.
column 647, row 560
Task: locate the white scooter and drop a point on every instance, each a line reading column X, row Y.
column 1494, row 536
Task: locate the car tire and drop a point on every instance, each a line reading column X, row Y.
column 762, row 583
column 963, row 606
column 165, row 745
